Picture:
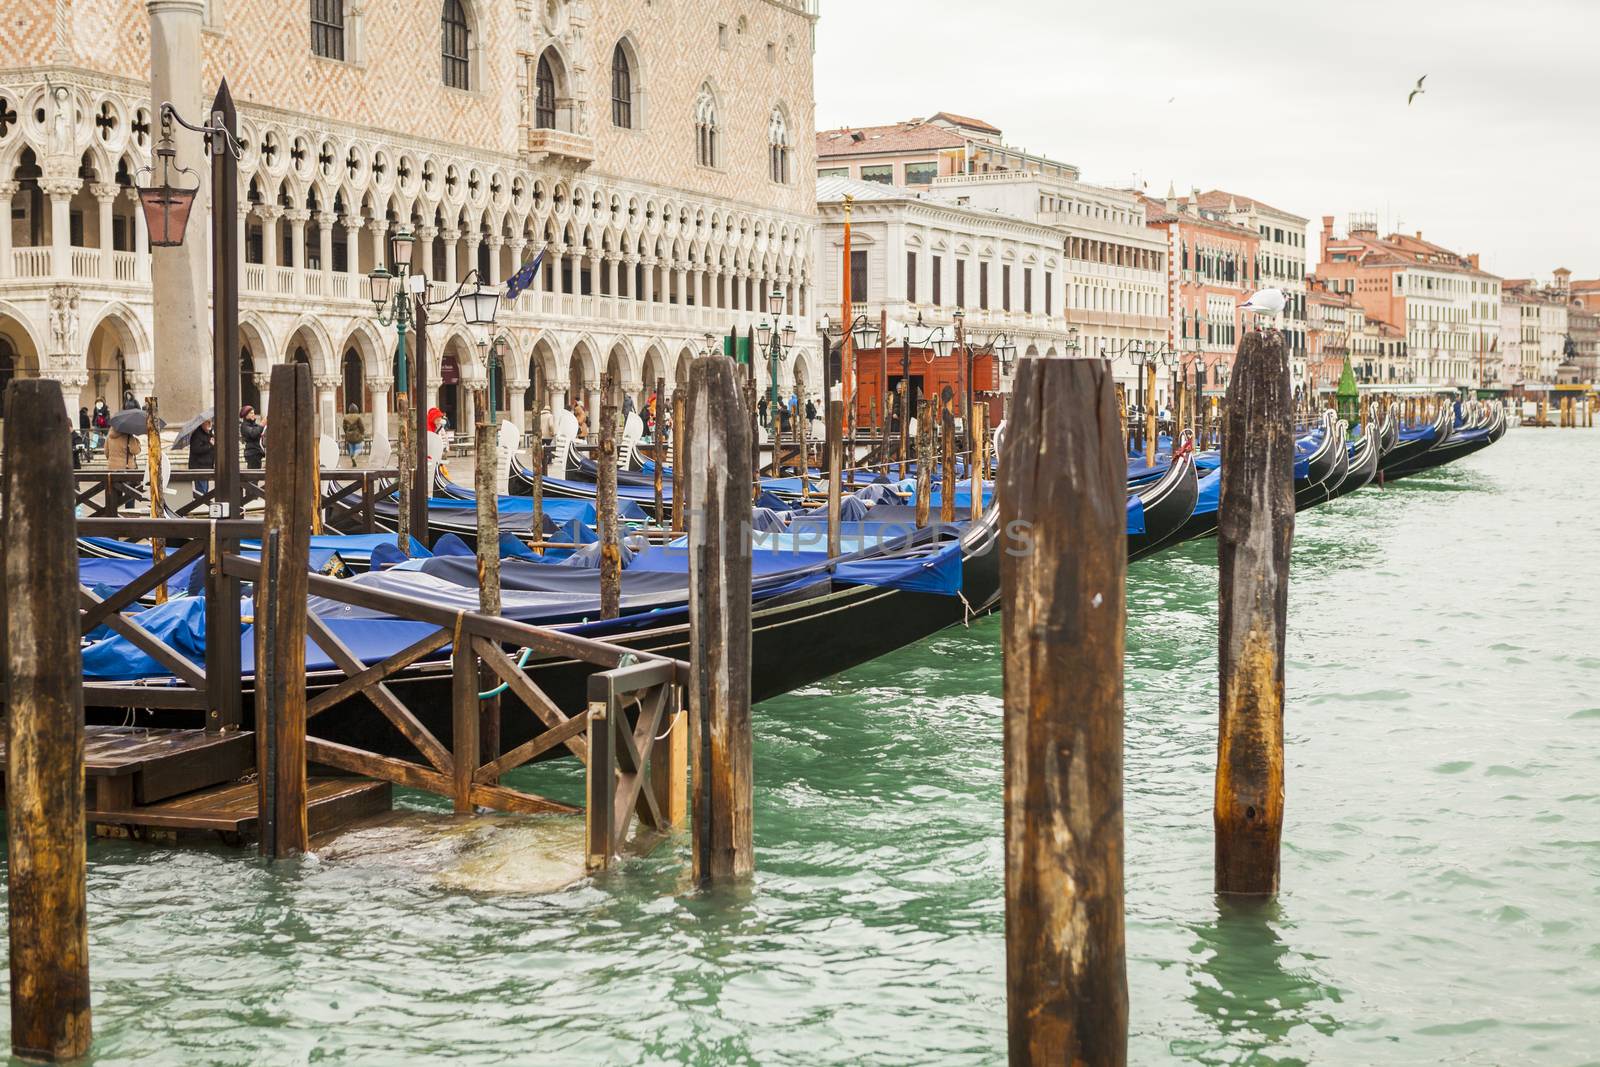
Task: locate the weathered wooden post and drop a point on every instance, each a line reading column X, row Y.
column 47, row 867
column 680, row 473
column 1255, row 527
column 606, row 502
column 152, row 444
column 1062, row 490
column 486, row 492
column 281, row 617
column 924, row 462
column 660, row 450
column 835, row 473
column 721, row 458
column 947, row 477
column 315, row 486
column 979, row 467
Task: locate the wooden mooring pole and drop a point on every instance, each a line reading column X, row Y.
column 488, row 511
column 947, row 475
column 152, row 440
column 281, row 617
column 680, row 472
column 1255, row 528
column 47, row 859
column 606, row 502
column 835, row 472
column 721, row 459
column 1062, row 488
column 924, row 462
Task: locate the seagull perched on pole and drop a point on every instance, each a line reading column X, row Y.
column 1418, row 91
column 1266, row 302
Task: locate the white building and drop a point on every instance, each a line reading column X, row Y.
column 1115, row 266
column 660, row 157
column 920, row 255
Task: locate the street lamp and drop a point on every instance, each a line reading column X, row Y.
column 777, row 339
column 494, row 355
column 166, row 206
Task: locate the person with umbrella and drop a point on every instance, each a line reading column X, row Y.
column 251, row 430
column 202, row 440
column 123, row 446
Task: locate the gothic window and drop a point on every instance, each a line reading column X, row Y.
column 327, row 28
column 706, row 130
column 621, row 89
column 778, row 147
column 544, row 102
column 455, row 45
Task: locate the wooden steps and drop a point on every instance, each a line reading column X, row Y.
column 231, row 809
column 164, row 783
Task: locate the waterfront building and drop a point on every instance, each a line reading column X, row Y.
column 1334, row 323
column 915, row 152
column 1212, row 267
column 659, row 156
column 1445, row 305
column 919, row 255
column 1114, row 268
column 1543, row 317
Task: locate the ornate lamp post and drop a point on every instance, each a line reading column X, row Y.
column 407, row 307
column 777, row 340
column 166, row 208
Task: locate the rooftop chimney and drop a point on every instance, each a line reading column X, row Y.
column 1327, row 230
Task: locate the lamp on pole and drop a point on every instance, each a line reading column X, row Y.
column 166, row 207
column 399, row 299
column 777, row 341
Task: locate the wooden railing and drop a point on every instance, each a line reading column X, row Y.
column 349, row 497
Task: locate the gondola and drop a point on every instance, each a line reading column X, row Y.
column 1326, row 455
column 1363, row 462
column 1412, row 443
column 797, row 639
column 1166, row 504
column 1457, row 445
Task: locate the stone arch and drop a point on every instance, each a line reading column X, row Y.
column 256, row 350
column 309, row 343
column 654, row 365
column 553, row 105
column 114, row 346
column 21, row 354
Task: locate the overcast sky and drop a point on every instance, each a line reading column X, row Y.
column 1300, row 105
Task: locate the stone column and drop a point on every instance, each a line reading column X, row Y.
column 327, row 418
column 630, row 264
column 612, row 259
column 380, row 242
column 7, row 191
column 556, row 395
column 298, row 217
column 325, row 251
column 378, row 389
column 650, row 279
column 242, row 237
column 179, row 284
column 270, row 241
column 557, row 283
column 595, row 259
column 474, row 243
column 496, row 243
column 352, row 253
column 61, row 191
column 592, row 402
column 422, row 254
column 467, row 391
column 683, row 283
column 105, row 196
column 516, row 397
column 451, row 275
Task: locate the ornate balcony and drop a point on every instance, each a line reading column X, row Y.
column 560, row 147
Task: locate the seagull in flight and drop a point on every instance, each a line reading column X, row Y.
column 1266, row 302
column 1418, row 91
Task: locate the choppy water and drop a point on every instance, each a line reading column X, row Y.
column 1441, row 884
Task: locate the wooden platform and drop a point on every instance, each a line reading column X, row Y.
column 231, row 809
column 190, row 781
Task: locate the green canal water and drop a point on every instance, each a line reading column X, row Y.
column 1441, row 863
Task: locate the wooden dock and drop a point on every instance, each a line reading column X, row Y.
column 165, row 784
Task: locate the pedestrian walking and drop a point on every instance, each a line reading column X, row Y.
column 252, row 428
column 355, row 434
column 761, row 409
column 203, row 453
column 99, row 422
column 547, row 425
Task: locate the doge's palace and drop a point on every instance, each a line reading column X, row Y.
column 660, row 153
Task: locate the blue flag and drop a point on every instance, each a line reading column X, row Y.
column 524, row 277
